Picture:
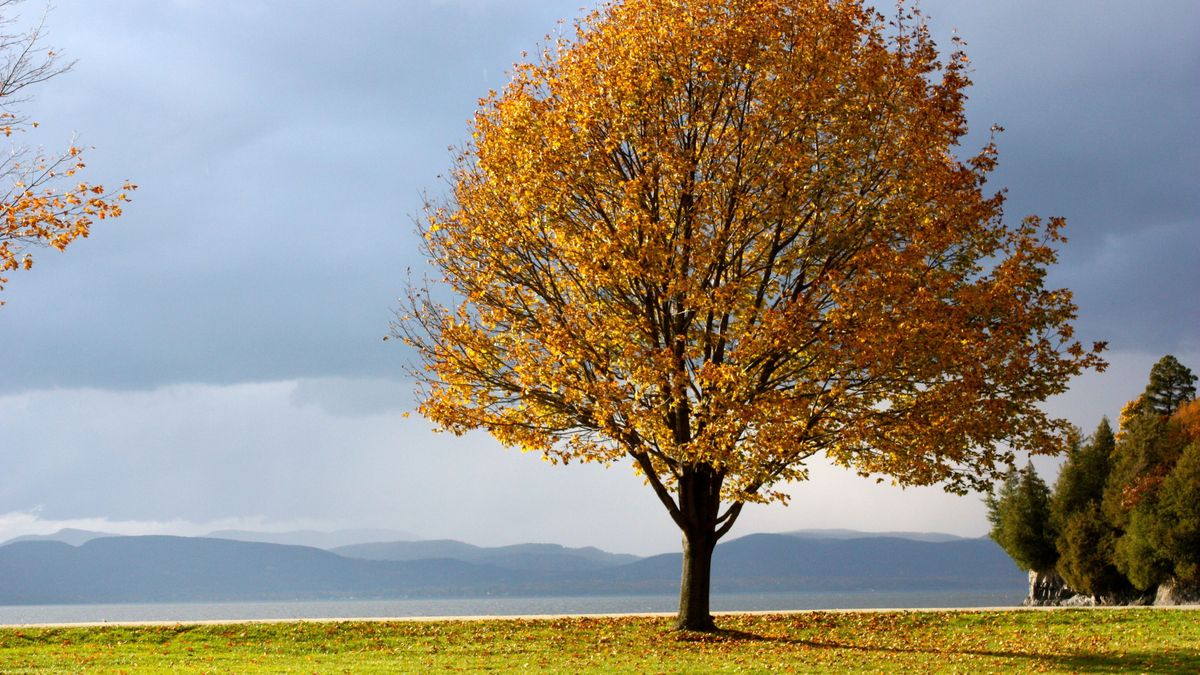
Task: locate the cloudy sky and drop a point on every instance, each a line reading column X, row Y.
column 215, row 357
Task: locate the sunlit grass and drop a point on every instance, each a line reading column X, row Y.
column 1075, row 640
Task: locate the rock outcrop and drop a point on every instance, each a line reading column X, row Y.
column 1172, row 593
column 1046, row 588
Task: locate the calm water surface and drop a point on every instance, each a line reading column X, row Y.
column 349, row 609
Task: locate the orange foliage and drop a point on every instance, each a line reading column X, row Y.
column 1129, row 412
column 728, row 235
column 1187, row 419
column 47, row 214
column 38, row 206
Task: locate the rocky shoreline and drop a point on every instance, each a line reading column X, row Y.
column 1047, row 589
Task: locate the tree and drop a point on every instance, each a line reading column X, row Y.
column 1154, row 430
column 41, row 201
column 1085, row 546
column 1023, row 527
column 1085, row 539
column 1179, row 507
column 1162, row 531
column 1171, row 384
column 717, row 238
column 1020, row 518
column 1142, row 459
column 1157, row 430
column 1084, row 473
column 1137, row 553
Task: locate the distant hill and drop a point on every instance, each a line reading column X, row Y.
column 314, row 538
column 528, row 557
column 187, row 569
column 858, row 534
column 67, row 536
column 774, row 562
column 191, row 569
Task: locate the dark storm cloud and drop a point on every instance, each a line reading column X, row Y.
column 282, row 149
column 1099, row 101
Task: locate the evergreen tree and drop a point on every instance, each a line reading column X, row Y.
column 1137, row 552
column 1148, row 452
column 1141, row 460
column 1082, row 477
column 1179, row 506
column 1085, row 539
column 1126, row 509
column 999, row 502
column 1086, row 550
column 1020, row 517
column 1171, row 385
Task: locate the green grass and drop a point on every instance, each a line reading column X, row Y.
column 1074, row 640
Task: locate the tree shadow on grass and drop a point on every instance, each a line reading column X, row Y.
column 720, row 635
column 1165, row 661
column 1172, row 661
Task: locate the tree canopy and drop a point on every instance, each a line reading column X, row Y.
column 717, row 238
column 1171, row 385
column 1084, row 539
column 1020, row 518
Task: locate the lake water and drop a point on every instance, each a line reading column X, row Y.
column 354, row 609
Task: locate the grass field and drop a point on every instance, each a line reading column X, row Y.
column 1075, row 640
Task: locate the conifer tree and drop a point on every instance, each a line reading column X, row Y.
column 1137, row 553
column 1085, row 546
column 1141, row 460
column 1171, row 385
column 1085, row 539
column 1020, row 517
column 1082, row 477
column 1125, row 511
column 1163, row 540
column 1179, row 510
column 999, row 502
column 1153, row 439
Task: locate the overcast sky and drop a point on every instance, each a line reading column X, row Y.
column 215, row 357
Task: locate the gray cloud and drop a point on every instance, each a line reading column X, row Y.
column 1099, row 101
column 263, row 451
column 281, row 151
column 346, row 397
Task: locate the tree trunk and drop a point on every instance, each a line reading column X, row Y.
column 697, row 513
column 699, row 504
column 696, row 581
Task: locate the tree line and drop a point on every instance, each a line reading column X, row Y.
column 1122, row 524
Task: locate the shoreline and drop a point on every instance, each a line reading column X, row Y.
column 559, row 617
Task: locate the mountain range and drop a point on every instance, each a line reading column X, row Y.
column 109, row 569
column 314, row 538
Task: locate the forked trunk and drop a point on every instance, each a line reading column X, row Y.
column 696, row 581
column 697, row 514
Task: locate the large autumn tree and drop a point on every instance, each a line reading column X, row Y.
column 718, row 238
column 42, row 201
